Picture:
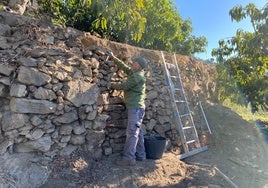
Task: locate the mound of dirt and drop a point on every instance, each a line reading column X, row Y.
column 237, row 156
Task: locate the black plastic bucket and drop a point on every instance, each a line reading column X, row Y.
column 154, row 146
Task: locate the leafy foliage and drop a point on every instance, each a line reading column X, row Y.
column 245, row 56
column 143, row 23
column 1, row 5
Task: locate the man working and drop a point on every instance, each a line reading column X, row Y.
column 134, row 95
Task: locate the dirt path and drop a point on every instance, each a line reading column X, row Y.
column 236, row 157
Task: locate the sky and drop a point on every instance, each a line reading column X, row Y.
column 210, row 18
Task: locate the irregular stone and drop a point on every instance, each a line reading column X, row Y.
column 80, row 92
column 69, row 69
column 5, row 80
column 65, row 139
column 12, row 121
column 87, row 124
column 18, row 90
column 22, row 170
column 103, row 99
column 28, row 61
column 66, row 118
column 68, row 150
column 11, row 134
column 118, row 134
column 62, row 144
column 36, row 53
column 4, row 145
column 35, row 120
column 108, row 151
column 164, row 119
column 87, row 72
column 57, row 87
column 162, row 128
column 18, row 5
column 151, row 124
column 31, row 76
column 152, row 95
column 100, row 122
column 4, row 43
column 3, row 90
column 92, row 115
column 25, row 130
column 89, row 108
column 35, row 134
column 55, row 134
column 61, row 75
column 50, row 129
column 43, row 144
column 46, row 94
column 79, row 129
column 77, row 140
column 6, row 69
column 46, row 39
column 82, row 113
column 66, row 129
column 5, row 30
column 22, row 105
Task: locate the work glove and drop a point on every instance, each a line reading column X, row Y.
column 111, row 55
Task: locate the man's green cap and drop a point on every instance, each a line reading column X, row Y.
column 142, row 61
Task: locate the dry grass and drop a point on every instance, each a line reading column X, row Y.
column 245, row 113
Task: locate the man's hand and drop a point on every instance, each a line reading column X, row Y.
column 112, row 56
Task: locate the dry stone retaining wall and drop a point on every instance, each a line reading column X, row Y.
column 54, row 96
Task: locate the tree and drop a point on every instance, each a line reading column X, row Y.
column 245, row 56
column 143, row 23
column 166, row 30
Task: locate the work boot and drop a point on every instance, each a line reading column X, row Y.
column 125, row 163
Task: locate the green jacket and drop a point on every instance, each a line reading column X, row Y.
column 134, row 87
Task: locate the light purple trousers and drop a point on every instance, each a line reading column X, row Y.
column 134, row 145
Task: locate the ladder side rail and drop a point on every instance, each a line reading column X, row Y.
column 204, row 114
column 187, row 104
column 177, row 114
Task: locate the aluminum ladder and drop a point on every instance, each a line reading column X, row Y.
column 183, row 116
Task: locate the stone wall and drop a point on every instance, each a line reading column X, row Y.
column 54, row 97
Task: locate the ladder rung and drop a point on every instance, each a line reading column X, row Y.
column 188, row 127
column 180, row 101
column 193, row 152
column 183, row 115
column 169, row 63
column 178, row 89
column 190, row 141
column 173, row 76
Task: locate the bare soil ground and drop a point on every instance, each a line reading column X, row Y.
column 237, row 156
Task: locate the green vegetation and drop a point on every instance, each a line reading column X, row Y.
column 245, row 112
column 1, row 5
column 243, row 61
column 149, row 24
